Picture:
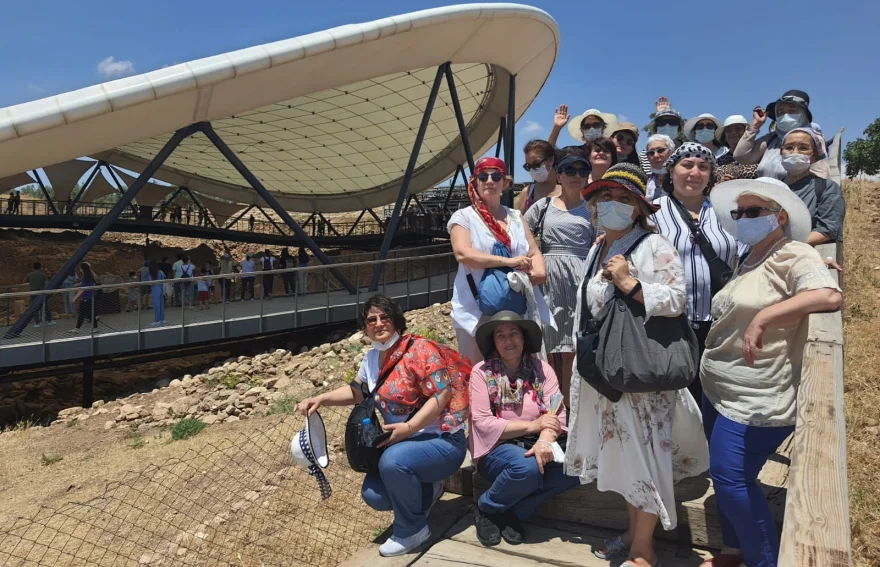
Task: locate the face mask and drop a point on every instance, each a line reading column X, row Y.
column 614, row 215
column 705, row 136
column 658, row 170
column 796, row 163
column 752, row 231
column 788, row 122
column 591, row 134
column 381, row 347
column 668, row 130
column 539, row 175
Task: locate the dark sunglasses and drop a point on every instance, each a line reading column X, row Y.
column 628, row 140
column 592, row 125
column 495, row 175
column 667, row 122
column 373, row 319
column 661, row 151
column 576, row 171
column 536, row 165
column 750, row 212
column 705, row 127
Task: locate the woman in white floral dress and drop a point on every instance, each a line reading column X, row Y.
column 644, row 443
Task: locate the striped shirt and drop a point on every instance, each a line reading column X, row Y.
column 696, row 268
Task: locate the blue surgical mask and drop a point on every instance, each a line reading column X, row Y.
column 668, row 130
column 788, row 122
column 591, row 134
column 613, row 215
column 705, row 136
column 752, row 231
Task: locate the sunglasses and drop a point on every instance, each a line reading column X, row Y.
column 536, row 165
column 751, row 212
column 495, row 175
column 666, row 122
column 625, row 139
column 373, row 319
column 592, row 125
column 704, row 126
column 660, row 152
column 576, row 172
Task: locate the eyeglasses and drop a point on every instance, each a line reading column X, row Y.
column 666, row 122
column 704, row 126
column 660, row 152
column 576, row 171
column 495, row 175
column 536, row 165
column 374, row 319
column 751, row 212
column 629, row 141
column 592, row 125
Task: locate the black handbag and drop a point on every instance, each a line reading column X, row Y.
column 529, row 441
column 719, row 272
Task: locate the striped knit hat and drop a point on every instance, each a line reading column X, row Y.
column 622, row 176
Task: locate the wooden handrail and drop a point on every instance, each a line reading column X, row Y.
column 816, row 529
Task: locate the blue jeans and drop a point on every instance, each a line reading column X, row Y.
column 737, row 454
column 158, row 303
column 517, row 484
column 406, row 477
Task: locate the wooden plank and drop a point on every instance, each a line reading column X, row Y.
column 566, row 545
column 816, row 530
column 449, row 553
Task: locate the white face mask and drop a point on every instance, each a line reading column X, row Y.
column 539, row 175
column 788, row 122
column 658, row 170
column 752, row 231
column 613, row 215
column 705, row 136
column 795, row 163
column 381, row 347
column 591, row 134
column 668, row 130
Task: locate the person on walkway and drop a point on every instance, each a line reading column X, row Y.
column 203, row 289
column 625, row 136
column 37, row 280
column 268, row 264
column 754, row 353
column 69, row 303
column 806, row 173
column 286, row 262
column 131, row 293
column 189, row 212
column 473, row 231
column 16, row 205
column 589, row 126
column 303, row 258
column 86, row 297
column 540, row 162
column 729, row 136
column 642, row 444
column 157, row 289
column 163, row 210
column 10, row 203
column 701, row 130
column 602, row 155
column 658, row 150
column 566, row 231
column 144, row 290
column 248, row 266
column 425, row 409
column 686, row 203
column 251, row 221
column 187, row 271
column 177, row 268
column 227, row 266
column 514, row 422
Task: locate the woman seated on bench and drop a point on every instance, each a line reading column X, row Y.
column 514, row 402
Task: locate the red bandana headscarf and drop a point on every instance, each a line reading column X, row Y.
column 478, row 204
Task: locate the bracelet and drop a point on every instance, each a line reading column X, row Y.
column 635, row 290
column 545, row 441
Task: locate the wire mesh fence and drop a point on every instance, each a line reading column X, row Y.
column 234, row 500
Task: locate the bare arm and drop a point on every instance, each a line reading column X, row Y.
column 538, row 275
column 520, row 202
column 471, row 257
column 429, row 412
column 817, row 238
column 347, row 395
column 547, row 427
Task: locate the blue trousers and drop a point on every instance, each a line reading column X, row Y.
column 158, row 303
column 517, row 484
column 737, row 454
column 406, row 477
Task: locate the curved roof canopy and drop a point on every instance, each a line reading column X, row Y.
column 326, row 121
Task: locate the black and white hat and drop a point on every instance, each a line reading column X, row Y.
column 690, row 150
column 309, row 450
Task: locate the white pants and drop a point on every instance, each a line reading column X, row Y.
column 467, row 345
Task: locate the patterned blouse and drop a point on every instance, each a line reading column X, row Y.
column 726, row 165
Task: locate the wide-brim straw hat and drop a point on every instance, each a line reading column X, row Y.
column 689, row 126
column 531, row 332
column 574, row 125
column 627, row 127
column 309, row 450
column 725, row 196
column 730, row 121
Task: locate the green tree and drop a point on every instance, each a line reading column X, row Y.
column 862, row 155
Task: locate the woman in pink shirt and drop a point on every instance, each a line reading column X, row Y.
column 518, row 423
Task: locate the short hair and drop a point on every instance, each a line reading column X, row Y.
column 37, row 265
column 670, row 143
column 388, row 306
column 543, row 147
column 606, row 144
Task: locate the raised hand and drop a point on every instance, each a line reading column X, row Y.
column 759, row 116
column 662, row 103
column 561, row 116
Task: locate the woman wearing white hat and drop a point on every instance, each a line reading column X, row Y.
column 727, row 168
column 588, row 126
column 701, row 129
column 752, row 363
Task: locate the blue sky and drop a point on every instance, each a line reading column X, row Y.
column 711, row 56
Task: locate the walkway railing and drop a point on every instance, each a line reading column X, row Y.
column 816, row 530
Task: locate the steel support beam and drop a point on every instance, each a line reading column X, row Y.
column 394, row 221
column 119, row 184
column 452, row 187
column 308, row 220
column 419, row 203
column 375, row 216
column 329, row 224
column 270, row 199
column 271, row 220
column 459, row 117
column 501, row 140
column 103, row 225
column 75, row 200
column 199, row 204
column 354, row 226
column 45, row 193
column 239, row 217
column 511, row 125
column 168, row 202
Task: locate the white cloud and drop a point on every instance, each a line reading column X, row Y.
column 532, row 129
column 111, row 67
column 35, row 88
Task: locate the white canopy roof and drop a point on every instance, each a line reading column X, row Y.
column 326, row 121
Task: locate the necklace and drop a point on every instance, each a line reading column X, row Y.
column 771, row 250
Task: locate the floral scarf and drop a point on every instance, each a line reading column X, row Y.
column 507, row 393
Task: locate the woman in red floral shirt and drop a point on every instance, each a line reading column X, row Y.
column 424, row 403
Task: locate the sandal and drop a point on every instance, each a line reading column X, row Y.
column 612, row 548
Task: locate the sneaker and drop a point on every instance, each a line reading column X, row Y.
column 155, row 323
column 36, row 325
column 488, row 531
column 51, row 323
column 401, row 546
column 513, row 531
column 74, row 330
column 612, row 548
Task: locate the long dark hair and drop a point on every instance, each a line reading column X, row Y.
column 606, row 144
column 154, row 271
column 88, row 274
column 544, row 148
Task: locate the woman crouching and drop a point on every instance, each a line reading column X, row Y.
column 517, row 415
column 424, row 410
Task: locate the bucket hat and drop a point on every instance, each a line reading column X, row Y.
column 531, row 332
column 729, row 121
column 796, row 97
column 689, row 126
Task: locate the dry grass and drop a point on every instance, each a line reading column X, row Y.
column 862, row 362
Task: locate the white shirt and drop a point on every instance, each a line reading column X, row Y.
column 465, row 310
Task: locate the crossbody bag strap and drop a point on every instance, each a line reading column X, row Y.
column 705, row 246
column 382, row 376
column 539, row 226
column 586, row 315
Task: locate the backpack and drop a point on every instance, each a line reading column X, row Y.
column 267, row 263
column 494, row 293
